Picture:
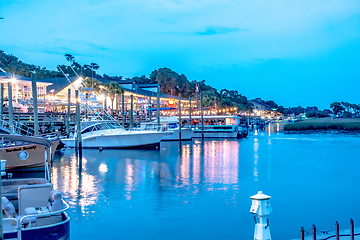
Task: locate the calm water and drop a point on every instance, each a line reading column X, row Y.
column 201, row 190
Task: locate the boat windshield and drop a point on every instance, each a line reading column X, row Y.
column 100, row 126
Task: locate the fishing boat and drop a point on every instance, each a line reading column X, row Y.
column 112, row 135
column 225, row 126
column 169, row 124
column 32, row 209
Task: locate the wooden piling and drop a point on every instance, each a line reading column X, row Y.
column 1, row 218
column 78, row 125
column 352, row 236
column 131, row 112
column 190, row 111
column 2, row 102
column 314, row 232
column 179, row 117
column 158, row 108
column 202, row 116
column 149, row 105
column 302, row 235
column 10, row 109
column 35, row 104
column 68, row 114
column 337, row 230
column 123, row 118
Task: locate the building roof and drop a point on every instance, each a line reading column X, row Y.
column 260, row 103
column 6, row 76
column 58, row 83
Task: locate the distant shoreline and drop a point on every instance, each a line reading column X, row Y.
column 327, row 125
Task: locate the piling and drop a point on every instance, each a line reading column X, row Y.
column 78, row 125
column 11, row 116
column 123, row 110
column 35, row 104
column 352, row 229
column 105, row 107
column 179, row 117
column 158, row 108
column 302, row 235
column 149, row 105
column 337, row 230
column 68, row 114
column 2, row 102
column 202, row 117
column 1, row 219
column 131, row 112
column 190, row 111
column 314, row 232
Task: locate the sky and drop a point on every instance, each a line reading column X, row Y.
column 298, row 52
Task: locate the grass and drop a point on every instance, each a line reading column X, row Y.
column 347, row 124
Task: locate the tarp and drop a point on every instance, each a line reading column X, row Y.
column 164, row 108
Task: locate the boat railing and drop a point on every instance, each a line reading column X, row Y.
column 65, row 211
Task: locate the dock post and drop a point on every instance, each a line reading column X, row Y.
column 1, row 218
column 2, row 103
column 149, row 105
column 35, row 103
column 352, row 236
column 261, row 209
column 10, row 109
column 123, row 109
column 179, row 117
column 158, row 108
column 337, row 230
column 131, row 112
column 190, row 111
column 202, row 116
column 314, row 232
column 78, row 126
column 302, row 235
column 68, row 114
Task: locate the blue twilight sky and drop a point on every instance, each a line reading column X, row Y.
column 298, row 52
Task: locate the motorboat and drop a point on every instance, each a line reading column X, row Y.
column 225, row 126
column 32, row 209
column 169, row 124
column 112, row 135
column 25, row 154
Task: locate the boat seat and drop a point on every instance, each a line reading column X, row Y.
column 55, row 203
column 36, row 195
column 8, row 208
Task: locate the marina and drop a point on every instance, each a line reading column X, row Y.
column 202, row 189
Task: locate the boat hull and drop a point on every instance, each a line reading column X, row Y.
column 57, row 232
column 186, row 134
column 125, row 140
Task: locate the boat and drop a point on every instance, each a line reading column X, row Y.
column 218, row 126
column 113, row 135
column 26, row 154
column 169, row 124
column 32, row 209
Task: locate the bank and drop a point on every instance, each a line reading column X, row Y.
column 324, row 124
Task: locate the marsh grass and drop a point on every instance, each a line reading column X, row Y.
column 348, row 124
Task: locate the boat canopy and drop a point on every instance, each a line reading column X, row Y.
column 18, row 138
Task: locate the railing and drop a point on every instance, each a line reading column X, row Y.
column 20, row 224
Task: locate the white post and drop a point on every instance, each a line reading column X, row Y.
column 261, row 209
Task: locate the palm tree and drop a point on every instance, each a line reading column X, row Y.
column 93, row 83
column 113, row 89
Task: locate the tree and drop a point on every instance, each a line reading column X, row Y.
column 337, row 108
column 93, row 83
column 113, row 89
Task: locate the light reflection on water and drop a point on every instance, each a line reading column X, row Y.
column 202, row 190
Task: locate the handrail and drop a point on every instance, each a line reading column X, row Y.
column 12, row 219
column 44, row 215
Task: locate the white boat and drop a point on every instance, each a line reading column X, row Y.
column 112, row 135
column 169, row 124
column 226, row 126
column 32, row 209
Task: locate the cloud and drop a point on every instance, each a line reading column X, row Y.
column 218, row 30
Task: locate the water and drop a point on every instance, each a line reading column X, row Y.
column 202, row 190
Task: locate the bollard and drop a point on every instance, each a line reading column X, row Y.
column 314, row 232
column 302, row 235
column 261, row 209
column 352, row 229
